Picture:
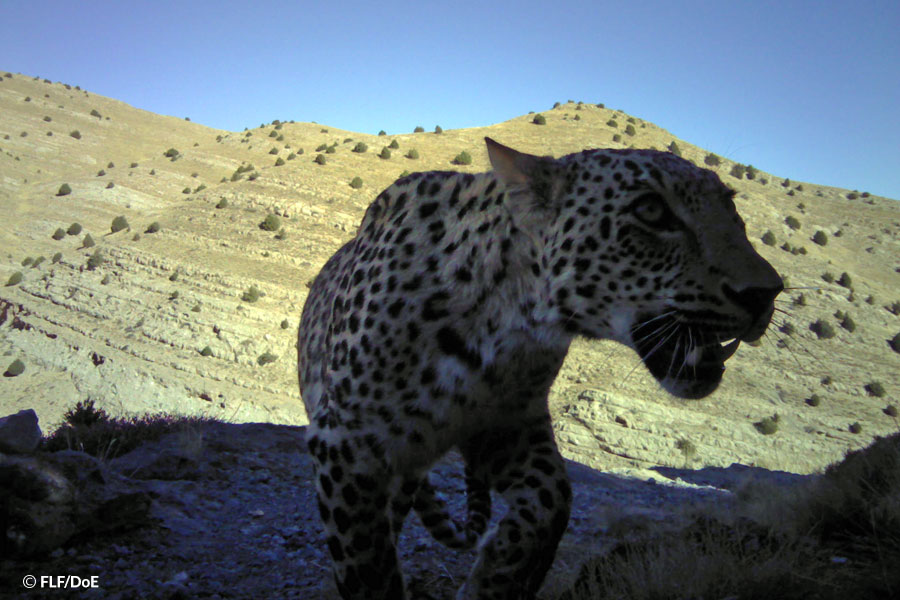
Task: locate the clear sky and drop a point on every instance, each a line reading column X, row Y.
column 808, row 90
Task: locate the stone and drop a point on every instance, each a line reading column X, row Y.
column 19, row 433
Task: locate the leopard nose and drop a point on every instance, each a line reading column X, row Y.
column 755, row 300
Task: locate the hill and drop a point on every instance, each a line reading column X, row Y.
column 161, row 316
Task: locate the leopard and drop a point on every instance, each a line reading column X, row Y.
column 443, row 323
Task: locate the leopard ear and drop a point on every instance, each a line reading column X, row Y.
column 539, row 175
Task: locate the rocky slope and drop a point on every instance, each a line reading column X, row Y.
column 128, row 328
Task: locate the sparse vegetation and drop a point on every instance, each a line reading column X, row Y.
column 711, row 160
column 90, row 429
column 15, row 368
column 822, row 329
column 252, row 294
column 118, row 224
column 463, row 158
column 95, row 260
column 271, row 223
column 266, row 358
column 874, row 388
column 767, row 425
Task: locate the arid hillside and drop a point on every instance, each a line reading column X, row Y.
column 190, row 302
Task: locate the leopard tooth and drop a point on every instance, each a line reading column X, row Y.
column 728, row 350
column 692, row 358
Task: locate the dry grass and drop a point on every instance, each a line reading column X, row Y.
column 836, row 537
column 89, row 429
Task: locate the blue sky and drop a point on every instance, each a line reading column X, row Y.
column 808, row 90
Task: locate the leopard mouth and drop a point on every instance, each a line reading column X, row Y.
column 685, row 353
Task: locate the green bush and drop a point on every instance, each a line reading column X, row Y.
column 827, row 277
column 382, row 132
column 356, row 183
column 14, row 279
column 820, row 237
column 539, row 120
column 27, row 261
column 56, row 258
column 875, row 388
column 385, row 153
column 412, row 154
column 612, row 123
column 738, row 171
column 767, row 425
column 251, row 295
column 75, row 134
column 87, row 242
column 266, row 358
column 463, row 158
column 768, row 238
column 186, row 190
column 418, row 129
column 118, row 224
column 617, row 138
column 792, row 222
column 845, row 281
column 279, row 162
column 814, row 400
column 852, row 196
column 285, row 324
column 59, row 234
column 207, row 351
column 64, row 190
column 153, row 227
column 822, row 329
column 171, row 153
column 331, row 149
column 751, row 172
column 271, row 223
column 110, row 185
column 320, row 159
column 282, row 234
column 393, row 145
column 437, row 129
column 273, row 151
column 95, row 260
column 848, row 324
column 629, row 129
column 894, row 343
column 855, row 427
column 674, row 149
column 321, row 147
column 15, row 368
column 712, row 160
column 800, row 300
column 360, row 147
column 890, row 410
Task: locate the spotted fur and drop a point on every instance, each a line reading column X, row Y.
column 444, row 322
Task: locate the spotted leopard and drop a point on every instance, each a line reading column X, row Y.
column 444, row 322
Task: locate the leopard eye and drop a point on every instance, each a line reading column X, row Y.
column 651, row 209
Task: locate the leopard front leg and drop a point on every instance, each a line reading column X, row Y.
column 525, row 467
column 354, row 492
